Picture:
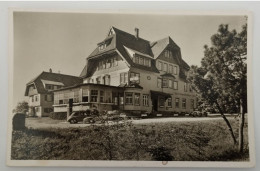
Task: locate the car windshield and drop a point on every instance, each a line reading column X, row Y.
column 76, row 114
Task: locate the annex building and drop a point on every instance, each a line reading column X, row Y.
column 40, row 91
column 130, row 73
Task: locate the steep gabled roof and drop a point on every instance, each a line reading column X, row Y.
column 120, row 40
column 111, row 46
column 159, row 46
column 62, row 79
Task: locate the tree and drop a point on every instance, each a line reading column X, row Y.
column 222, row 78
column 22, row 107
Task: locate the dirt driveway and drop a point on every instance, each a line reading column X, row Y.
column 50, row 123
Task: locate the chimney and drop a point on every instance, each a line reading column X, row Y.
column 136, row 33
column 50, row 70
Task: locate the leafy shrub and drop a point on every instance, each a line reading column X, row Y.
column 58, row 115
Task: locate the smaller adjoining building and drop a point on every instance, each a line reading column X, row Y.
column 40, row 91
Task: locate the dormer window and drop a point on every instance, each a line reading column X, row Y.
column 147, row 62
column 142, row 60
column 102, row 46
column 167, row 53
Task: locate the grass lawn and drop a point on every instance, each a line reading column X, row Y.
column 179, row 141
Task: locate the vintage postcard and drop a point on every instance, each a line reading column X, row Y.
column 130, row 89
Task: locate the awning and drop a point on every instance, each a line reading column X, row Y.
column 159, row 93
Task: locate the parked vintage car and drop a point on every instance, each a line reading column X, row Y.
column 197, row 113
column 79, row 116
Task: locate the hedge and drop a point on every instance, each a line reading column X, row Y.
column 58, row 115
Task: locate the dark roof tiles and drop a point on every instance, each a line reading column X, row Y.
column 66, row 80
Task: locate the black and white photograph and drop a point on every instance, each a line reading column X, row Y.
column 109, row 88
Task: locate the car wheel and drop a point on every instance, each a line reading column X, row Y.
column 73, row 121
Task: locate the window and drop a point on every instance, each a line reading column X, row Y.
column 115, row 98
column 31, row 88
column 175, row 85
column 98, row 80
column 93, row 95
column 147, row 62
column 107, row 80
column 85, row 94
column 177, row 102
column 165, row 67
column 136, row 59
column 185, row 87
column 191, row 88
column 169, row 102
column 36, row 98
column 108, row 97
column 184, row 103
column 171, row 69
column 48, row 97
column 159, row 82
column 102, row 46
column 121, row 98
column 109, row 63
column 104, row 64
column 165, row 82
column 145, row 100
column 60, row 101
column 160, row 66
column 137, row 99
column 161, row 102
column 101, row 96
column 32, row 98
column 76, row 96
column 128, row 98
column 134, row 77
column 124, row 78
column 58, row 98
column 192, row 104
column 175, row 70
column 170, row 83
column 100, row 65
column 115, row 62
column 48, row 110
column 167, row 54
column 141, row 60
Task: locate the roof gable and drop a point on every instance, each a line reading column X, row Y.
column 49, row 78
column 160, row 45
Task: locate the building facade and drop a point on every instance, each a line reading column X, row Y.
column 135, row 74
column 39, row 90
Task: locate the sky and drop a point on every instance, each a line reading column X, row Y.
column 62, row 41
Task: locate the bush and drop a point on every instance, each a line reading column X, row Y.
column 58, row 115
